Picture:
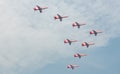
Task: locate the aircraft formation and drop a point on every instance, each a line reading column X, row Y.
column 68, row 41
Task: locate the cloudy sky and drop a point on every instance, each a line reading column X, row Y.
column 32, row 42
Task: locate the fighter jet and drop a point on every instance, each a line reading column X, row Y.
column 87, row 44
column 39, row 8
column 95, row 32
column 76, row 24
column 60, row 17
column 69, row 41
column 72, row 66
column 79, row 55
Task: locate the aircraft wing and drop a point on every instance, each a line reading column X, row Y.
column 95, row 32
column 87, row 44
column 40, row 10
column 79, row 56
column 69, row 41
column 78, row 25
column 72, row 67
column 59, row 17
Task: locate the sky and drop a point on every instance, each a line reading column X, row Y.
column 32, row 42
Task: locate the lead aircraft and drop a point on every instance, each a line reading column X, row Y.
column 39, row 8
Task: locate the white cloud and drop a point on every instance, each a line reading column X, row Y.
column 30, row 40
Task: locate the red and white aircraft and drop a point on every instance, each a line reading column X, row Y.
column 39, row 8
column 95, row 32
column 76, row 24
column 72, row 66
column 79, row 55
column 87, row 44
column 69, row 41
column 60, row 17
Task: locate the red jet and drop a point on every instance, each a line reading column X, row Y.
column 79, row 55
column 87, row 44
column 69, row 41
column 72, row 66
column 76, row 24
column 39, row 8
column 60, row 17
column 95, row 32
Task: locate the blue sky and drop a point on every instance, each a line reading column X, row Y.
column 106, row 57
column 32, row 43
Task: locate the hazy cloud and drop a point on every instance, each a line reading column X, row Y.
column 30, row 40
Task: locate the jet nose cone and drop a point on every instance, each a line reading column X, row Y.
column 75, row 55
column 83, row 44
column 68, row 66
column 55, row 17
column 73, row 24
column 91, row 32
column 34, row 9
column 65, row 41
